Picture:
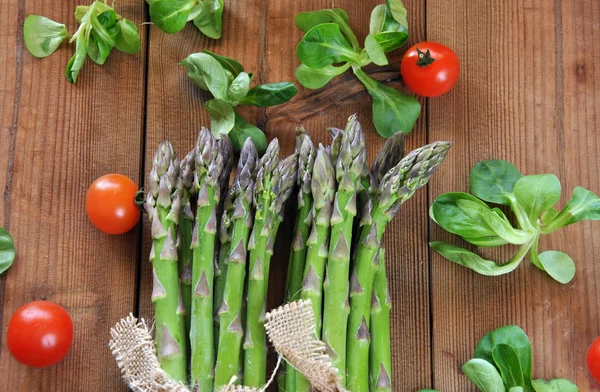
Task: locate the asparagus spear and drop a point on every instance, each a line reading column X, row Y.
column 388, row 192
column 230, row 318
column 350, row 166
column 186, row 224
column 323, row 187
column 225, row 209
column 274, row 184
column 380, row 353
column 208, row 166
column 163, row 204
column 306, row 157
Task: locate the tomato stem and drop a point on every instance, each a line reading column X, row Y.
column 424, row 58
column 139, row 199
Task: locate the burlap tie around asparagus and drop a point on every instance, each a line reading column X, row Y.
column 290, row 328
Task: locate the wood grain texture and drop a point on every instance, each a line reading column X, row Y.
column 578, row 45
column 59, row 139
column 175, row 105
column 515, row 101
column 406, row 237
column 528, row 93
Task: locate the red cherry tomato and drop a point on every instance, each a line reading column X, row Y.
column 110, row 204
column 40, row 334
column 430, row 69
column 593, row 359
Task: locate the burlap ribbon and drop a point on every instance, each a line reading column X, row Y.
column 290, row 328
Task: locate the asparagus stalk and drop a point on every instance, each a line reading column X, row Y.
column 350, row 166
column 163, row 204
column 323, row 187
column 225, row 232
column 274, row 184
column 186, row 224
column 280, row 379
column 306, row 157
column 208, row 166
column 380, row 353
column 230, row 317
column 388, row 192
column 225, row 209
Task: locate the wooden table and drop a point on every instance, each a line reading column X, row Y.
column 529, row 92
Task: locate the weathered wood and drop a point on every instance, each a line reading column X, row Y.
column 175, row 105
column 515, row 100
column 528, row 93
column 56, row 139
column 578, row 119
column 330, row 106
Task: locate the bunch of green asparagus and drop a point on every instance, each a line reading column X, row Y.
column 213, row 243
column 345, row 277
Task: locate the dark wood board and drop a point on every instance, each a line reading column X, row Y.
column 56, row 139
column 516, row 101
column 528, row 93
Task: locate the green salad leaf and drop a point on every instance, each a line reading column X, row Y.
column 324, row 45
column 204, row 70
column 387, row 31
column 506, row 359
column 171, row 16
column 330, row 47
column 271, row 94
column 315, row 79
column 531, row 198
column 228, row 64
column 222, row 117
column 502, row 362
column 210, row 18
column 554, row 385
column 558, row 265
column 537, row 194
column 493, row 180
column 239, row 87
column 243, row 130
column 477, row 263
column 226, row 80
column 484, row 375
column 446, row 213
column 42, row 35
column 81, row 50
column 375, row 51
column 307, row 20
column 393, row 111
column 128, row 39
column 100, row 30
column 584, row 205
column 7, row 250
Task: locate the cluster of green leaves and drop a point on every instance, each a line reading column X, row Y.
column 531, row 198
column 502, row 363
column 171, row 16
column 100, row 30
column 226, row 80
column 7, row 250
column 329, row 48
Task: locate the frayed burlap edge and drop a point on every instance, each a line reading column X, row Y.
column 132, row 346
column 291, row 329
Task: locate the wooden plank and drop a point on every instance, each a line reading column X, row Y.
column 509, row 104
column 175, row 112
column 175, row 108
column 331, row 106
column 578, row 100
column 63, row 138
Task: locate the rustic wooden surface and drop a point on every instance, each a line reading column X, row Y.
column 529, row 92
